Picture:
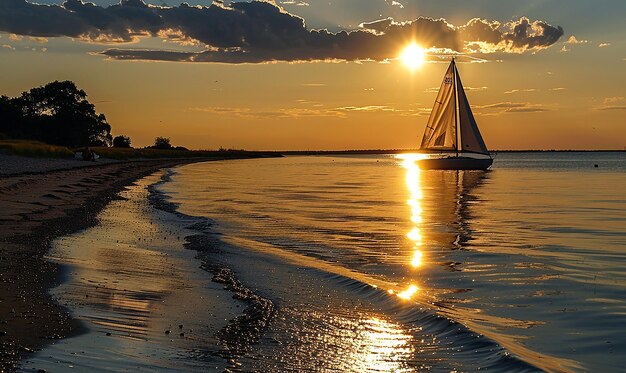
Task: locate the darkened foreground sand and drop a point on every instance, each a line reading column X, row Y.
column 11, row 165
column 37, row 208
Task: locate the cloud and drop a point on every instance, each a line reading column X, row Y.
column 436, row 89
column 613, row 103
column 249, row 113
column 299, row 112
column 395, row 3
column 510, row 107
column 603, row 45
column 38, row 39
column 613, row 107
column 7, row 46
column 292, row 2
column 535, row 109
column 612, row 100
column 483, row 88
column 558, row 89
column 260, row 31
column 572, row 40
column 520, row 90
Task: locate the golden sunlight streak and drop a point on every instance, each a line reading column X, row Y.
column 414, row 186
column 413, row 56
column 408, row 293
column 417, row 259
column 383, row 346
column 415, row 235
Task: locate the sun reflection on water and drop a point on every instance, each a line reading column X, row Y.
column 413, row 183
column 408, row 293
column 383, row 347
column 417, row 259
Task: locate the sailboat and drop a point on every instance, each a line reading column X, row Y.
column 451, row 132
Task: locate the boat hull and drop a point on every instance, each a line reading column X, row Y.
column 455, row 163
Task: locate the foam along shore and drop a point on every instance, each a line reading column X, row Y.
column 36, row 208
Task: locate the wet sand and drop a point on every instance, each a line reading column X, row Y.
column 144, row 299
column 36, row 208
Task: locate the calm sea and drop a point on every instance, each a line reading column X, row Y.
column 375, row 265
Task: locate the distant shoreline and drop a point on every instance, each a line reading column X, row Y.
column 404, row 151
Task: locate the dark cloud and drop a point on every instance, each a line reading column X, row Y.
column 259, row 31
column 528, row 35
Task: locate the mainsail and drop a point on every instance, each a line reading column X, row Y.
column 440, row 131
column 449, row 129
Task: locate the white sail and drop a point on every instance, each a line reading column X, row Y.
column 448, row 129
column 470, row 138
column 440, row 133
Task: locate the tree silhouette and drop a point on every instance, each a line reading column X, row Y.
column 57, row 113
column 11, row 117
column 121, row 141
column 162, row 143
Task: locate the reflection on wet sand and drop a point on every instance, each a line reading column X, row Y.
column 139, row 292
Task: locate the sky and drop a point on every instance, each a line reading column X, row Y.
column 326, row 75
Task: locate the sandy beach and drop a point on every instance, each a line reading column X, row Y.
column 42, row 200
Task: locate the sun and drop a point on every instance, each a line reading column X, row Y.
column 413, row 56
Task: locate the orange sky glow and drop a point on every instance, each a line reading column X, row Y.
column 564, row 95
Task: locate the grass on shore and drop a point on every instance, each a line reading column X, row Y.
column 30, row 148
column 36, row 149
column 131, row 153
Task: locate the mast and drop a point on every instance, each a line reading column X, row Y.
column 457, row 121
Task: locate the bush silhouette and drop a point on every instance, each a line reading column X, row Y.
column 162, row 143
column 121, row 142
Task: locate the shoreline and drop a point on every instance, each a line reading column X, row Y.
column 247, row 328
column 37, row 209
column 405, row 151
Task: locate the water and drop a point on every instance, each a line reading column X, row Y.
column 530, row 255
column 357, row 264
